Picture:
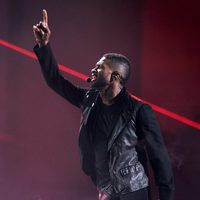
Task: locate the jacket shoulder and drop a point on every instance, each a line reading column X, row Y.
column 135, row 104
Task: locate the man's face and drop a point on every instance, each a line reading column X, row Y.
column 101, row 74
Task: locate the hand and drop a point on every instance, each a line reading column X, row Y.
column 103, row 196
column 41, row 31
column 106, row 192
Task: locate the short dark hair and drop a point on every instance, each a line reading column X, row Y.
column 119, row 60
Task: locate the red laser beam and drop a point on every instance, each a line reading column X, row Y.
column 82, row 76
column 32, row 55
column 171, row 114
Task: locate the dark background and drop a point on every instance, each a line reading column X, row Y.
column 38, row 129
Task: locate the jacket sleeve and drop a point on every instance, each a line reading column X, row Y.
column 157, row 152
column 54, row 78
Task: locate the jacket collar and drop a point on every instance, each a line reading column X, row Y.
column 123, row 104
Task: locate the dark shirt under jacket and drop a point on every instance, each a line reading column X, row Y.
column 101, row 124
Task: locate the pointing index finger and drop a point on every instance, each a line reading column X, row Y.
column 45, row 16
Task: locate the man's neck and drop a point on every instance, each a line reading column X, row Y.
column 109, row 93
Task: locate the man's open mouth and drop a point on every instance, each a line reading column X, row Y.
column 94, row 77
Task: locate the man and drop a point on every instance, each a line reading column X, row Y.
column 115, row 131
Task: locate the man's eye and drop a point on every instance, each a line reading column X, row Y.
column 99, row 67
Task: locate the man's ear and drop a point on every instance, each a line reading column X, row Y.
column 115, row 75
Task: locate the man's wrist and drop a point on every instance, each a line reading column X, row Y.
column 42, row 44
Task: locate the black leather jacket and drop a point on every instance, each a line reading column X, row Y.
column 136, row 129
column 126, row 172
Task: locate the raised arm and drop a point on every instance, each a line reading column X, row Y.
column 49, row 65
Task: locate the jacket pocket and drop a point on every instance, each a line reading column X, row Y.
column 130, row 178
